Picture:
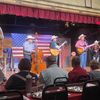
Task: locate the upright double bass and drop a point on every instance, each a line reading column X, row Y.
column 38, row 64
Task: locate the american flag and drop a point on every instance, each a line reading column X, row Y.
column 43, row 42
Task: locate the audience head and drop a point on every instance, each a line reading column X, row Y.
column 73, row 53
column 75, row 61
column 50, row 60
column 24, row 64
column 94, row 65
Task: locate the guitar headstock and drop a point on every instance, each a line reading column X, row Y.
column 65, row 42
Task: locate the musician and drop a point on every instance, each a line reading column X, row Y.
column 1, row 34
column 54, row 45
column 29, row 47
column 82, row 44
column 96, row 51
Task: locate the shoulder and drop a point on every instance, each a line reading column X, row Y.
column 77, row 70
column 93, row 72
column 12, row 77
column 80, row 69
column 45, row 72
column 33, row 75
column 79, row 41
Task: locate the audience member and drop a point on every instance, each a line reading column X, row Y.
column 18, row 80
column 95, row 69
column 52, row 72
column 2, row 77
column 77, row 70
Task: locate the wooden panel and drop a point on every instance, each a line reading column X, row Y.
column 96, row 4
column 88, row 3
column 70, row 2
column 7, row 43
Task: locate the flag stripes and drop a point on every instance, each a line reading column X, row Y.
column 43, row 42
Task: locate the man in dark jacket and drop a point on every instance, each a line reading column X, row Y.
column 18, row 80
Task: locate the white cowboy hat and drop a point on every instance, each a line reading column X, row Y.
column 30, row 37
column 82, row 35
column 96, row 42
column 54, row 37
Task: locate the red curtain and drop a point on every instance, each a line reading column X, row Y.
column 46, row 14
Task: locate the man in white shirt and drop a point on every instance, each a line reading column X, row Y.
column 29, row 46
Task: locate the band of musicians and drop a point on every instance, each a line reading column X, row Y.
column 81, row 48
column 49, row 49
column 47, row 69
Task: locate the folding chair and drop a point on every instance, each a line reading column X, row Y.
column 83, row 78
column 55, row 92
column 61, row 80
column 91, row 90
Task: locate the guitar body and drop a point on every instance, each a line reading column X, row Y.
column 54, row 52
column 80, row 50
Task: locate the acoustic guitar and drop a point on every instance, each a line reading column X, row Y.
column 80, row 50
column 55, row 52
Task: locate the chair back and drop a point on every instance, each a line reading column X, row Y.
column 11, row 95
column 55, row 92
column 83, row 78
column 91, row 90
column 61, row 80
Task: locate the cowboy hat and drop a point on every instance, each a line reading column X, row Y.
column 82, row 35
column 54, row 37
column 30, row 37
column 96, row 42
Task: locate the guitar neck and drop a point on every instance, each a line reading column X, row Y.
column 90, row 45
column 62, row 44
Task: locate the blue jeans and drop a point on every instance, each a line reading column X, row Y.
column 83, row 59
